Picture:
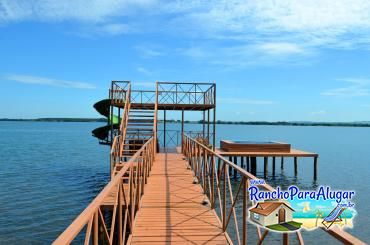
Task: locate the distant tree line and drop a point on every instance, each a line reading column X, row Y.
column 279, row 123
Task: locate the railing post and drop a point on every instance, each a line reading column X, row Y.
column 120, row 231
column 204, row 170
column 224, row 200
column 245, row 212
column 96, row 230
column 213, row 181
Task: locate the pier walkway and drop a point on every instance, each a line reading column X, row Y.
column 170, row 197
column 174, row 208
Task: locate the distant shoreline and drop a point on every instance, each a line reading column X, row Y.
column 279, row 123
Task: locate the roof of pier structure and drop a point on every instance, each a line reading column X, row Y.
column 188, row 96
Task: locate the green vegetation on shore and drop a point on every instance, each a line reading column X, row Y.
column 280, row 123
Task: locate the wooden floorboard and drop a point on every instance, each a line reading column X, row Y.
column 172, row 210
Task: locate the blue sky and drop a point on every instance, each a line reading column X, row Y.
column 271, row 60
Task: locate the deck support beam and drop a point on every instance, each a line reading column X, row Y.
column 315, row 168
column 273, row 165
column 214, row 118
column 208, row 112
column 254, row 165
column 265, row 165
column 236, row 163
column 295, row 165
column 164, row 128
column 182, row 126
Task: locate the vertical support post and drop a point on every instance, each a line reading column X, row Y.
column 219, row 168
column 182, row 126
column 253, row 165
column 110, row 117
column 208, row 125
column 236, row 163
column 204, row 124
column 242, row 162
column 295, row 165
column 176, row 93
column 214, row 118
column 224, row 200
column 164, row 129
column 203, row 152
column 120, row 231
column 265, row 166
column 230, row 169
column 315, row 168
column 273, row 165
column 213, row 162
column 248, row 163
column 156, row 145
column 282, row 163
column 245, row 213
column 96, row 230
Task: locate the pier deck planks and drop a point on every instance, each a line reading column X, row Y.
column 171, row 209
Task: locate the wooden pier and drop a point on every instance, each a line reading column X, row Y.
column 183, row 196
column 175, row 209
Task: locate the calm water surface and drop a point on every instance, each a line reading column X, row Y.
column 49, row 172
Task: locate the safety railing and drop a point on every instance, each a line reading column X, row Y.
column 118, row 140
column 98, row 226
column 172, row 137
column 213, row 173
column 117, row 93
column 143, row 97
column 186, row 93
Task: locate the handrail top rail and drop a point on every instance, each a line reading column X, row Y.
column 74, row 228
column 239, row 169
column 189, row 83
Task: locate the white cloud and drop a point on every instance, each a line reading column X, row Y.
column 287, row 29
column 144, row 71
column 245, row 101
column 358, row 87
column 80, row 10
column 282, row 48
column 194, row 52
column 113, row 29
column 48, row 81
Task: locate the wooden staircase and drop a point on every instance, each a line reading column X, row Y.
column 137, row 128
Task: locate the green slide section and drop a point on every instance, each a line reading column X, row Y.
column 103, row 107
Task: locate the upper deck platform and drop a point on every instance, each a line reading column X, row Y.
column 167, row 95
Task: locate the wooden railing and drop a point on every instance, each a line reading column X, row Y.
column 173, row 136
column 117, row 92
column 186, row 93
column 113, row 227
column 212, row 172
column 143, row 96
column 155, row 121
column 118, row 141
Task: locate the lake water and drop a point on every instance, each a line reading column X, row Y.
column 49, row 172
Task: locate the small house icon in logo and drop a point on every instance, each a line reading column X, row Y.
column 275, row 215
